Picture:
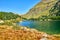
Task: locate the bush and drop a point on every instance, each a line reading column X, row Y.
column 54, row 17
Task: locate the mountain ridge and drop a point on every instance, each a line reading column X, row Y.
column 42, row 8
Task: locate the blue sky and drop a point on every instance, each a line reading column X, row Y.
column 17, row 6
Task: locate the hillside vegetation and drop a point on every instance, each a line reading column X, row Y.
column 40, row 9
column 55, row 11
column 8, row 15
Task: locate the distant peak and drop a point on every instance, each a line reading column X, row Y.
column 45, row 1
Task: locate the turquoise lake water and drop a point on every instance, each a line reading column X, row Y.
column 51, row 27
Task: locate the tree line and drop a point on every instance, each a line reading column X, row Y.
column 8, row 15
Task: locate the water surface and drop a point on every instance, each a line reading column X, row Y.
column 45, row 26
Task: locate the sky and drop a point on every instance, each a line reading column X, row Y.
column 17, row 6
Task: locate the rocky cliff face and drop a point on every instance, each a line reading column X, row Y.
column 42, row 8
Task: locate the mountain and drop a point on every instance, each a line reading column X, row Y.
column 55, row 10
column 40, row 9
column 8, row 15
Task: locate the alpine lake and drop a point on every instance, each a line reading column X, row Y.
column 50, row 27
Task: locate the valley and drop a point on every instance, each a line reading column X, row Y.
column 41, row 22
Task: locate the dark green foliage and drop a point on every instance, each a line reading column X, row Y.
column 54, row 17
column 8, row 15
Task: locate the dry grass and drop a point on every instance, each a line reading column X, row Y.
column 11, row 34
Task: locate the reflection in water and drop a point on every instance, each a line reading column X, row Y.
column 46, row 26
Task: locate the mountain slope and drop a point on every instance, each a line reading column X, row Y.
column 8, row 15
column 42, row 8
column 55, row 10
